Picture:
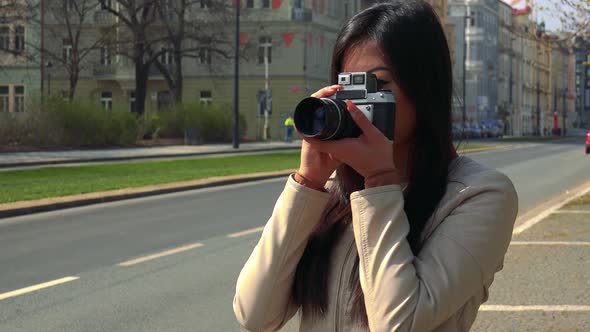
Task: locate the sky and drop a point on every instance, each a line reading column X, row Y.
column 552, row 22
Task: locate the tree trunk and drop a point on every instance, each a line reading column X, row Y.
column 177, row 78
column 141, row 76
column 73, row 84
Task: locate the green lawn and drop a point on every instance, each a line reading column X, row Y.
column 49, row 182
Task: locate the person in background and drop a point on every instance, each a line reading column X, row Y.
column 370, row 235
column 289, row 125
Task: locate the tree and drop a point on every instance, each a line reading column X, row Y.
column 191, row 33
column 575, row 16
column 68, row 22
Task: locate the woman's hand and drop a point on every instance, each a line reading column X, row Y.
column 371, row 154
column 316, row 165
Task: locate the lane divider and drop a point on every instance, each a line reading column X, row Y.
column 546, row 308
column 246, row 232
column 550, row 243
column 572, row 212
column 160, row 254
column 36, row 287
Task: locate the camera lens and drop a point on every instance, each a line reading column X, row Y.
column 324, row 119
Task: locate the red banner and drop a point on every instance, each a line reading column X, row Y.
column 323, row 5
column 243, row 39
column 233, row 3
column 276, row 4
column 288, row 38
column 310, row 39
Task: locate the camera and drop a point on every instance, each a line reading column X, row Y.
column 329, row 119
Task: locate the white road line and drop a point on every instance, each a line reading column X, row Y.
column 246, row 232
column 160, row 254
column 36, row 287
column 534, row 220
column 550, row 243
column 573, row 212
column 516, row 308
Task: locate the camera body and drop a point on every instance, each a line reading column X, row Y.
column 329, row 118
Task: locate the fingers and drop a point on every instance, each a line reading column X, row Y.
column 326, row 92
column 336, row 149
column 362, row 121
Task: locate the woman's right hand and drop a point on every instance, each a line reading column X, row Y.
column 315, row 165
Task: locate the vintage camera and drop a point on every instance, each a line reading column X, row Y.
column 329, row 119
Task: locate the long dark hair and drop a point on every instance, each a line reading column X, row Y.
column 414, row 43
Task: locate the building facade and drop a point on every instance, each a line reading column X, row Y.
column 581, row 49
column 296, row 37
column 476, row 44
column 19, row 58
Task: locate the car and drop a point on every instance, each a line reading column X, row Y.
column 588, row 142
column 476, row 131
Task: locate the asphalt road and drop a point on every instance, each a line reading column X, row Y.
column 116, row 285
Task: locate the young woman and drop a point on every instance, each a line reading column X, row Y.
column 407, row 236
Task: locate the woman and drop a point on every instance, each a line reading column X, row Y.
column 409, row 235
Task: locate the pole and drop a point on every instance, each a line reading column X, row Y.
column 266, row 105
column 236, row 140
column 510, row 83
column 563, row 131
column 42, row 28
column 538, row 99
column 466, row 18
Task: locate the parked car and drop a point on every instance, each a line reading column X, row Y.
column 476, row 131
column 457, row 131
column 588, row 142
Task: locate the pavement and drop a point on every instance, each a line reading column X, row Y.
column 44, row 158
column 170, row 262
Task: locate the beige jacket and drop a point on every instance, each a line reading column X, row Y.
column 441, row 289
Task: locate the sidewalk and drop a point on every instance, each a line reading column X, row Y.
column 545, row 283
column 24, row 159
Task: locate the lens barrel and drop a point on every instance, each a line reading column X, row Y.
column 324, row 119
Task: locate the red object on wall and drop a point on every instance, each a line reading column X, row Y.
column 288, row 38
column 295, row 88
column 555, row 120
column 276, row 4
column 322, row 40
column 314, row 4
column 323, row 6
column 243, row 39
column 233, row 3
column 310, row 39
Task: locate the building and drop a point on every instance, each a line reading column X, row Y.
column 581, row 50
column 296, row 38
column 19, row 59
column 476, row 49
column 506, row 67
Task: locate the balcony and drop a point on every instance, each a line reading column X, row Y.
column 104, row 18
column 154, row 72
column 301, row 15
column 113, row 71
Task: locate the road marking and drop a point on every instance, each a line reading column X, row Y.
column 573, row 212
column 545, row 213
column 549, row 243
column 246, row 232
column 513, row 308
column 160, row 254
column 36, row 287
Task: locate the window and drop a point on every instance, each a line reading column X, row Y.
column 206, row 97
column 472, row 19
column 205, row 4
column 204, row 56
column 249, row 3
column 106, row 100
column 265, row 3
column 19, row 39
column 587, row 98
column 132, row 101
column 105, row 55
column 4, row 98
column 264, row 43
column 166, row 57
column 164, row 100
column 67, row 51
column 4, row 38
column 19, row 98
column 104, row 4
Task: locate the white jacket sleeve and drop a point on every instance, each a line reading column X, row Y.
column 262, row 301
column 407, row 293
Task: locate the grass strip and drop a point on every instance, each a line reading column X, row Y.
column 49, row 182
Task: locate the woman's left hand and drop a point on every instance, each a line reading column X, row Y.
column 369, row 154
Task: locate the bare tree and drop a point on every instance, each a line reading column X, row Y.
column 70, row 23
column 574, row 16
column 191, row 32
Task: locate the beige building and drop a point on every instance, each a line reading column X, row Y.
column 298, row 37
column 506, row 67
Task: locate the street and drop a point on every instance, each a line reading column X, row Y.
column 170, row 262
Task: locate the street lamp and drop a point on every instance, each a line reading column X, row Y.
column 510, row 87
column 266, row 46
column 236, row 140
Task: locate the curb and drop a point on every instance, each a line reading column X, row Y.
column 50, row 204
column 16, row 209
column 131, row 158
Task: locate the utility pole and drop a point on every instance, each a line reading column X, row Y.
column 236, row 140
column 510, row 83
column 266, row 45
column 564, row 113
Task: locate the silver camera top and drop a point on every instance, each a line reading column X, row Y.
column 358, row 81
